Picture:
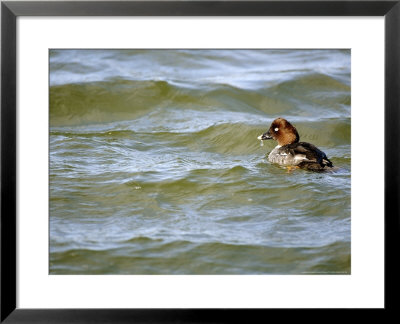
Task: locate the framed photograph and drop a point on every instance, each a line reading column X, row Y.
column 183, row 161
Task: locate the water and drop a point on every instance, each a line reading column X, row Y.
column 155, row 166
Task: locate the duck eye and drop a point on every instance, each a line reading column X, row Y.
column 276, row 129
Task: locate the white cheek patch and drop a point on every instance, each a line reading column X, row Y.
column 276, row 129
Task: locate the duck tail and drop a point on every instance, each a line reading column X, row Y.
column 327, row 162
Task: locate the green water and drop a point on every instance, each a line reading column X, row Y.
column 155, row 166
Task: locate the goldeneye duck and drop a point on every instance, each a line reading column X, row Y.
column 291, row 152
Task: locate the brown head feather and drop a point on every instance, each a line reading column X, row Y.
column 285, row 134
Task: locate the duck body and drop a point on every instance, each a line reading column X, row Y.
column 291, row 152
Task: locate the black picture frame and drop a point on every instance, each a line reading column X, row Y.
column 11, row 10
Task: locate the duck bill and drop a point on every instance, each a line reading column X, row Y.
column 265, row 136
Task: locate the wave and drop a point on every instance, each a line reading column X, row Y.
column 121, row 99
column 222, row 138
column 99, row 102
column 145, row 255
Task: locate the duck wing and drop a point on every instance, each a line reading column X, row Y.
column 309, row 153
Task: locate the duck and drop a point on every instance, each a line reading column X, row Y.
column 292, row 153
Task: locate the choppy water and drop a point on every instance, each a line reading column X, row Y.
column 155, row 166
